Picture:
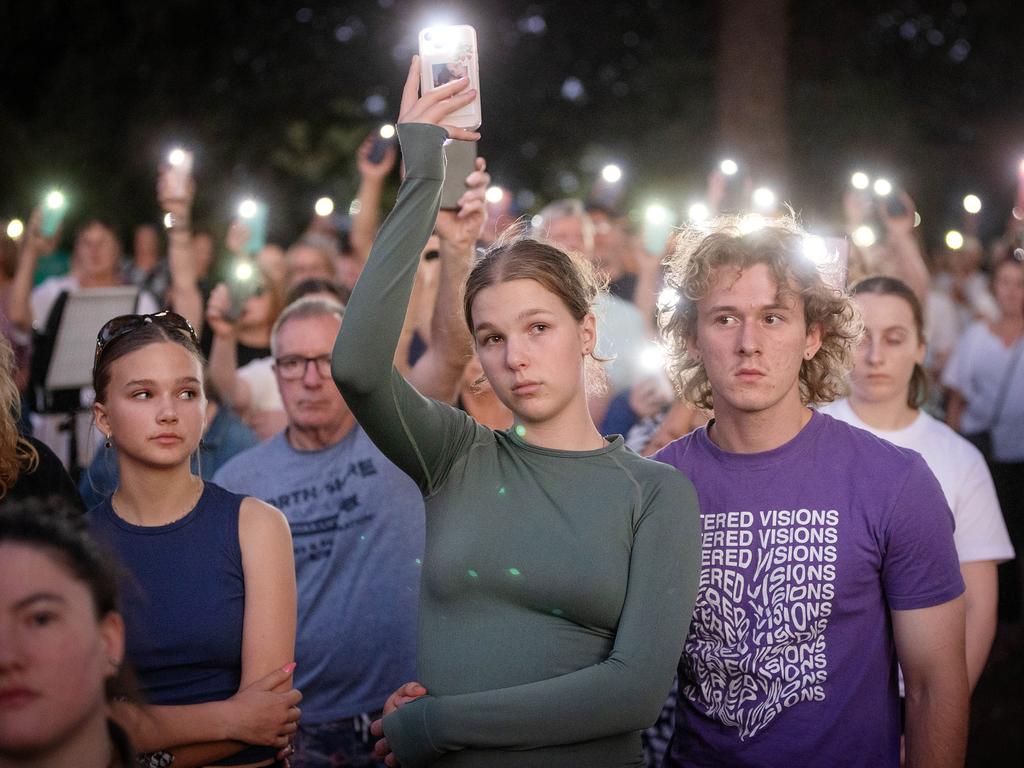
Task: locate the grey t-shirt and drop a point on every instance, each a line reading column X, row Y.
column 357, row 528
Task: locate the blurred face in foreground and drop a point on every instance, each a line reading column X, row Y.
column 752, row 340
column 532, row 349
column 55, row 657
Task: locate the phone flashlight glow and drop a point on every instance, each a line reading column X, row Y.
column 387, row 131
column 247, row 209
column 176, row 156
column 243, row 271
column 55, row 200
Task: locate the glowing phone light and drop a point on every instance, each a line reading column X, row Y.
column 864, row 236
column 494, row 195
column 55, row 199
column 698, row 213
column 611, row 173
column 728, row 167
column 176, row 156
column 324, row 206
column 243, row 270
column 764, row 198
column 15, row 228
column 247, row 209
column 972, row 204
column 860, row 180
column 387, row 131
column 883, row 187
column 954, row 240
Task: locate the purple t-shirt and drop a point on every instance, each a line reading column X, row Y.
column 790, row 658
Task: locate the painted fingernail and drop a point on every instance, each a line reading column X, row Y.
column 288, row 667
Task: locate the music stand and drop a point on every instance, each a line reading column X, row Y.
column 85, row 312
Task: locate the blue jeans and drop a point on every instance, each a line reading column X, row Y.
column 344, row 742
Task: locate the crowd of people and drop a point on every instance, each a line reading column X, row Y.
column 413, row 492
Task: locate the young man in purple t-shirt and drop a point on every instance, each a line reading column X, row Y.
column 827, row 553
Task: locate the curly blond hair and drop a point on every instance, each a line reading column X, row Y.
column 699, row 253
column 17, row 455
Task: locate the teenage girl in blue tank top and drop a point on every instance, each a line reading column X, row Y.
column 209, row 579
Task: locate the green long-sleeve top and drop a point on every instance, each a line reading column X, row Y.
column 557, row 586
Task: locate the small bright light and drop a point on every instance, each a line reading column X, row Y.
column 860, row 180
column 698, row 212
column 751, row 223
column 176, row 156
column 243, row 270
column 55, row 199
column 537, row 221
column 728, row 167
column 168, row 221
column 247, row 209
column 883, row 187
column 611, row 173
column 15, row 229
column 324, row 206
column 652, row 358
column 387, row 131
column 864, row 236
column 815, row 249
column 972, row 204
column 442, row 36
column 494, row 195
column 655, row 213
column 954, row 240
column 764, row 198
column 354, row 208
column 668, row 297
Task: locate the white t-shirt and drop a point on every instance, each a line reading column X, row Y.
column 961, row 471
column 621, row 335
column 977, row 370
column 259, row 375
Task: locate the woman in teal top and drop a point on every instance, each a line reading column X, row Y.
column 560, row 568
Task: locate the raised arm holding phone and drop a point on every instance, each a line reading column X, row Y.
column 540, row 642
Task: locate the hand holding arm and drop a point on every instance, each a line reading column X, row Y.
column 184, row 292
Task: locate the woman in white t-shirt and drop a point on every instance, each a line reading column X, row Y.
column 887, row 387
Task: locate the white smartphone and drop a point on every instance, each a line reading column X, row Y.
column 446, row 54
column 179, row 171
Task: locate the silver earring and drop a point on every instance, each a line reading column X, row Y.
column 108, row 443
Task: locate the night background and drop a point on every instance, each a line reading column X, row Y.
column 274, row 98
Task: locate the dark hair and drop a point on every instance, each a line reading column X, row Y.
column 883, row 285
column 53, row 526
column 143, row 336
column 316, row 285
column 700, row 251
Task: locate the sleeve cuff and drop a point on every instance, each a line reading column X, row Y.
column 421, row 150
column 408, row 734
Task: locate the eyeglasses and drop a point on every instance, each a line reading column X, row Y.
column 125, row 324
column 292, row 367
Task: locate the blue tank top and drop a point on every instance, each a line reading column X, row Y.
column 183, row 601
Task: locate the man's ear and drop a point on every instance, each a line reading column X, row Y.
column 814, row 338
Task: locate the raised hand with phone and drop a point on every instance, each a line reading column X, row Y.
column 175, row 191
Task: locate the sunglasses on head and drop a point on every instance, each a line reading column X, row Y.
column 125, row 324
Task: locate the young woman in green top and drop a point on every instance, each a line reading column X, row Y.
column 560, row 568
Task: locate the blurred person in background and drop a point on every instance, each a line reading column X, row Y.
column 27, row 466
column 146, row 267
column 986, row 404
column 621, row 330
column 887, row 387
column 19, row 339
